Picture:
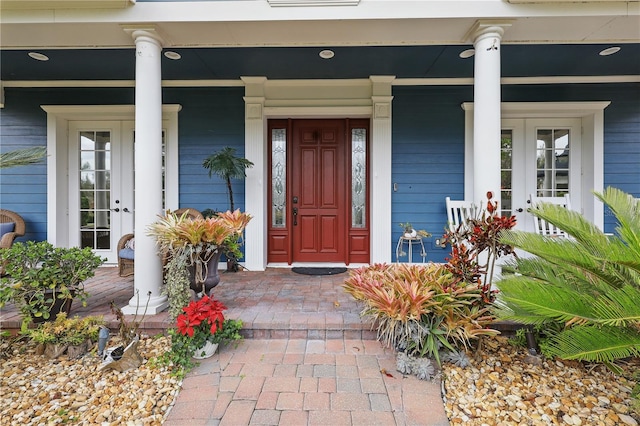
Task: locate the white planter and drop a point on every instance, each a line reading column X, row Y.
column 206, row 351
column 411, row 234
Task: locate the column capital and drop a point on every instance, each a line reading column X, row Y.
column 144, row 31
column 487, row 28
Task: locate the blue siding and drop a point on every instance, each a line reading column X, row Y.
column 211, row 119
column 428, row 159
column 23, row 124
column 428, row 146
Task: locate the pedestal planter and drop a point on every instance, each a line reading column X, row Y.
column 211, row 279
column 206, row 351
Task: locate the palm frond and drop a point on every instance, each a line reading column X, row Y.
column 595, row 344
column 626, row 209
column 559, row 303
column 22, row 157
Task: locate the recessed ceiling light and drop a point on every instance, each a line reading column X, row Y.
column 609, row 51
column 327, row 54
column 172, row 55
column 467, row 53
column 38, row 56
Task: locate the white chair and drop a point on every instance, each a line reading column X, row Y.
column 543, row 227
column 459, row 212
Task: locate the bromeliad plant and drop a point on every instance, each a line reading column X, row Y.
column 193, row 243
column 202, row 321
column 419, row 309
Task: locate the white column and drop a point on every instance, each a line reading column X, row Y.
column 380, row 149
column 486, row 111
column 148, row 172
column 255, row 184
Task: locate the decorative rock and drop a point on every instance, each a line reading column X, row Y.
column 64, row 391
column 521, row 393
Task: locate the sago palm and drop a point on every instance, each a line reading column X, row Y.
column 589, row 282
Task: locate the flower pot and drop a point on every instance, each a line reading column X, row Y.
column 212, row 278
column 206, row 351
column 60, row 304
column 411, row 234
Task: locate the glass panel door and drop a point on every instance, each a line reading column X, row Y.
column 540, row 157
column 97, row 182
column 95, row 189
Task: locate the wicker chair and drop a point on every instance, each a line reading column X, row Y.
column 125, row 254
column 19, row 228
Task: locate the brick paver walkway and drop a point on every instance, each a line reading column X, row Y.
column 305, row 382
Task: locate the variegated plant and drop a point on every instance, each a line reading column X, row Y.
column 419, row 308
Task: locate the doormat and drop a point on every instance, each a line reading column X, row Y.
column 319, row 271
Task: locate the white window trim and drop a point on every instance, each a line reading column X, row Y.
column 58, row 117
column 592, row 152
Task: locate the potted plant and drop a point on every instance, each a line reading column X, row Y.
column 200, row 329
column 410, row 232
column 193, row 248
column 73, row 335
column 42, row 280
column 228, row 166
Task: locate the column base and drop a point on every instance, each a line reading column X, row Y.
column 138, row 306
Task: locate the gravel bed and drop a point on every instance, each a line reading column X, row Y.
column 499, row 388
column 39, row 391
column 503, row 387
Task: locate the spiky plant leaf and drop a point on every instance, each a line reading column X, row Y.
column 22, row 157
column 595, row 344
column 590, row 282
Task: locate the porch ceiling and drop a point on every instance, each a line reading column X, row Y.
column 433, row 61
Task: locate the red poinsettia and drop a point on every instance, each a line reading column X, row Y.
column 201, row 319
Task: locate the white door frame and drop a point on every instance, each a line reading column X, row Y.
column 591, row 164
column 58, row 188
column 366, row 98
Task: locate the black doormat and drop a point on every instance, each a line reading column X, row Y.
column 319, row 271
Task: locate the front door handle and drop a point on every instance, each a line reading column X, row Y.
column 295, row 216
column 115, row 210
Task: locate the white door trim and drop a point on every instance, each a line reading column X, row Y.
column 370, row 98
column 58, row 193
column 592, row 146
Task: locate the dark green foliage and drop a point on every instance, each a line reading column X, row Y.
column 587, row 286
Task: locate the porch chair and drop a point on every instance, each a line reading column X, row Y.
column 459, row 212
column 543, row 227
column 126, row 245
column 12, row 226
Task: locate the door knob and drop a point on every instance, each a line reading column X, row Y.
column 520, row 210
column 295, row 216
column 115, row 210
column 126, row 210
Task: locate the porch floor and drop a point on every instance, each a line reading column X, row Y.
column 276, row 303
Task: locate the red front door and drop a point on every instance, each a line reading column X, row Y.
column 319, row 191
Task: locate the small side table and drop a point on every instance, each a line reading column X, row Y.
column 410, row 241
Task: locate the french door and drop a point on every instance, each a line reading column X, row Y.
column 100, row 184
column 539, row 157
